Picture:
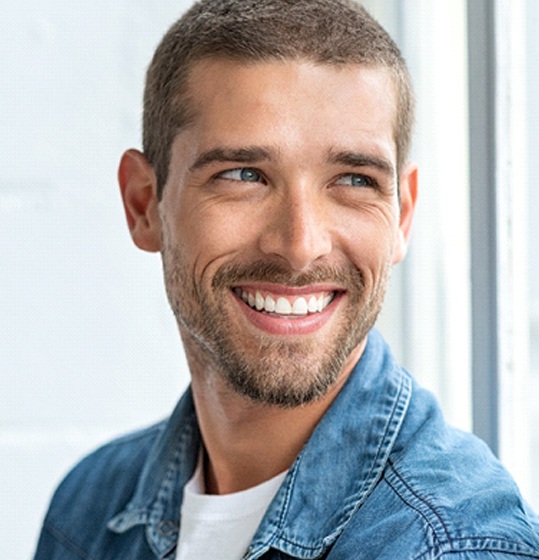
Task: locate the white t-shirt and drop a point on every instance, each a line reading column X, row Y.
column 221, row 526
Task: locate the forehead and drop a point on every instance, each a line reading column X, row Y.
column 292, row 99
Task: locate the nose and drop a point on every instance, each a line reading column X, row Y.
column 298, row 230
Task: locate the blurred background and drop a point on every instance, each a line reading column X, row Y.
column 88, row 346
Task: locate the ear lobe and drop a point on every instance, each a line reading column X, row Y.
column 408, row 198
column 138, row 187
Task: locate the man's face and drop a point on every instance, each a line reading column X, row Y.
column 280, row 222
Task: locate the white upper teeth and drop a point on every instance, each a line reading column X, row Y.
column 312, row 306
column 283, row 306
column 300, row 307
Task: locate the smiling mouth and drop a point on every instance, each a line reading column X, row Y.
column 289, row 306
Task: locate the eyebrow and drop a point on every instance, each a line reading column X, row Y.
column 241, row 155
column 256, row 154
column 358, row 159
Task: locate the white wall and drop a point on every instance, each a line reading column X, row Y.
column 532, row 118
column 88, row 347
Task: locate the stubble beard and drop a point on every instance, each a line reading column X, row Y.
column 285, row 373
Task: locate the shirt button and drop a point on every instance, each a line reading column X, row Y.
column 165, row 528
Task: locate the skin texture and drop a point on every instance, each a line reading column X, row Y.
column 285, row 183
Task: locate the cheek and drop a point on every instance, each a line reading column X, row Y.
column 369, row 237
column 213, row 236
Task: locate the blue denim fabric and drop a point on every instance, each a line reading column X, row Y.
column 382, row 477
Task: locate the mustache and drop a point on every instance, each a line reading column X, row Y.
column 264, row 271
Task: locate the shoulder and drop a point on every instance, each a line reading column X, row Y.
column 112, row 470
column 442, row 495
column 465, row 500
column 454, row 502
column 98, row 487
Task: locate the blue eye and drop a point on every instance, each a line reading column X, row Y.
column 354, row 180
column 245, row 174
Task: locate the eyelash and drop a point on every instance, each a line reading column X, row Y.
column 241, row 170
column 369, row 181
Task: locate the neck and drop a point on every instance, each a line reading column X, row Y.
column 247, row 443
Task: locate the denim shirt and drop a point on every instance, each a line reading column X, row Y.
column 381, row 477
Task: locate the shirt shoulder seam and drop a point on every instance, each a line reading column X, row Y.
column 422, row 508
column 447, row 545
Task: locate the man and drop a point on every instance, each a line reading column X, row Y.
column 275, row 183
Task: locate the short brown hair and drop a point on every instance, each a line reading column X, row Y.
column 323, row 31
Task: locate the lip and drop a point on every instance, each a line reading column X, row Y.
column 288, row 326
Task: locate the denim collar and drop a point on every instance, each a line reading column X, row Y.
column 330, row 479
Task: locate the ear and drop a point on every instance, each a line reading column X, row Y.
column 408, row 199
column 138, row 186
